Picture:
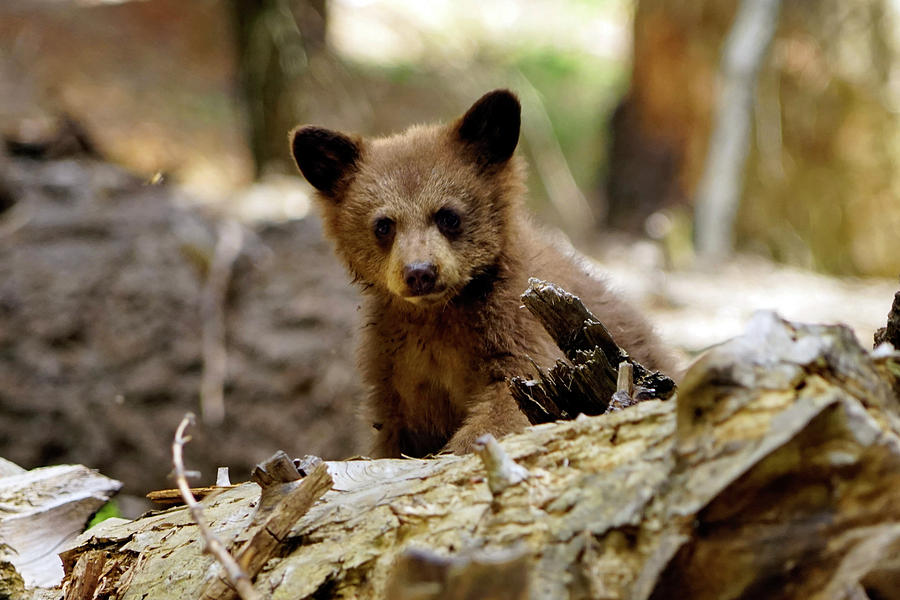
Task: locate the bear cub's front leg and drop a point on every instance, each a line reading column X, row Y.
column 495, row 412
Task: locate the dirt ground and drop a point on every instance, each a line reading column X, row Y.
column 694, row 309
column 100, row 328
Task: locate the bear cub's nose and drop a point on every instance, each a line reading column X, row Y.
column 420, row 278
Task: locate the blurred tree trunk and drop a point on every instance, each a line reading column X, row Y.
column 720, row 188
column 277, row 41
column 656, row 127
column 820, row 176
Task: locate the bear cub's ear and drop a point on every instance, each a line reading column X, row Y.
column 324, row 157
column 490, row 129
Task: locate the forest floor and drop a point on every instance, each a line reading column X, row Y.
column 694, row 309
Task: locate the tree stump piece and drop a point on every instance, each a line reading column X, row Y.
column 586, row 383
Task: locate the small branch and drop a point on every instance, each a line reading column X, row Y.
column 212, row 544
column 502, row 471
column 212, row 386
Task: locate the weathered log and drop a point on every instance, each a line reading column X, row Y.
column 776, row 473
column 585, row 384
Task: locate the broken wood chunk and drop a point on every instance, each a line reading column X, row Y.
column 278, row 469
column 269, row 536
column 502, row 471
column 891, row 332
column 278, row 477
column 587, row 381
column 306, row 464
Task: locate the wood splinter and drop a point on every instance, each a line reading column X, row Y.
column 278, row 478
column 502, row 471
column 625, row 390
column 283, row 502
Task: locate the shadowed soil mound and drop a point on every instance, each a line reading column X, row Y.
column 100, row 330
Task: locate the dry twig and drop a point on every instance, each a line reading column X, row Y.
column 282, row 503
column 212, row 544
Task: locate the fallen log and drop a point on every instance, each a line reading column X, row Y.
column 775, row 473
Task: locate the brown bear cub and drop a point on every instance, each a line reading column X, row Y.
column 431, row 223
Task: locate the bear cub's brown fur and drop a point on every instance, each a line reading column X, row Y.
column 431, row 223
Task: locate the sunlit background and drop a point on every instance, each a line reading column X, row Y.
column 616, row 124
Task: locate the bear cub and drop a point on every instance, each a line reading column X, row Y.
column 431, row 223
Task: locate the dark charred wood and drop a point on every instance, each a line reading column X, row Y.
column 586, row 382
column 891, row 332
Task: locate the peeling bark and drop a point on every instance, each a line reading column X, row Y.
column 40, row 510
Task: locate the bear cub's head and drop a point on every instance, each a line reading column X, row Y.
column 423, row 214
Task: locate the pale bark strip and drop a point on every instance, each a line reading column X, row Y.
column 41, row 510
column 719, row 190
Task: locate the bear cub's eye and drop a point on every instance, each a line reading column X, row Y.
column 448, row 221
column 383, row 228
